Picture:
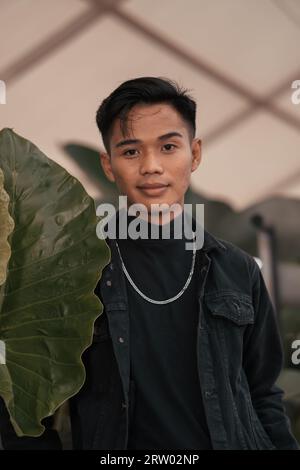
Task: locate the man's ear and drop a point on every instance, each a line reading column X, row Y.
column 106, row 165
column 197, row 153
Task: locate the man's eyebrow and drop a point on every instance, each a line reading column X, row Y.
column 169, row 135
column 138, row 141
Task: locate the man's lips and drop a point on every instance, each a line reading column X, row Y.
column 152, row 185
column 153, row 189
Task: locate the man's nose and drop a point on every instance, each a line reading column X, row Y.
column 151, row 163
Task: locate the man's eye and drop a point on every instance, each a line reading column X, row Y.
column 129, row 154
column 169, row 145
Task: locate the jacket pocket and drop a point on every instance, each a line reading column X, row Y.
column 228, row 315
column 237, row 308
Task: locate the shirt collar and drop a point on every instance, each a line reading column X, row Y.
column 210, row 241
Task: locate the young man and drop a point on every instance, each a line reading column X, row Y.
column 186, row 352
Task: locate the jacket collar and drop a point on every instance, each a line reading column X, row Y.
column 211, row 242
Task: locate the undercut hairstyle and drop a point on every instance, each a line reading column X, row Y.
column 143, row 90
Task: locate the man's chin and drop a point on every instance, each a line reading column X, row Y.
column 160, row 211
column 153, row 205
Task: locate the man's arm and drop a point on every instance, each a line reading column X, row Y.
column 263, row 361
column 49, row 440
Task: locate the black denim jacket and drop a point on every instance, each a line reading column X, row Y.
column 239, row 355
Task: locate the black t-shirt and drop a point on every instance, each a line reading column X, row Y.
column 168, row 409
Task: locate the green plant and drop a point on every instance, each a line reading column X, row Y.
column 50, row 263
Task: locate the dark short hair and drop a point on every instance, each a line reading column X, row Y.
column 143, row 90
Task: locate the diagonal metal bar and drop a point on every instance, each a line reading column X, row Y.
column 254, row 101
column 241, row 116
column 57, row 40
column 100, row 7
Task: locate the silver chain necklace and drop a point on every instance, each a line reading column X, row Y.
column 172, row 299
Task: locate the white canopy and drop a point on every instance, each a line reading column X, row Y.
column 60, row 58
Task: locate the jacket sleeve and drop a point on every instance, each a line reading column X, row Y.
column 263, row 361
column 49, row 440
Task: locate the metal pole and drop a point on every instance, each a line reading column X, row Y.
column 267, row 248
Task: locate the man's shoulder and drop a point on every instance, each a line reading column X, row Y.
column 228, row 254
column 226, row 248
column 234, row 250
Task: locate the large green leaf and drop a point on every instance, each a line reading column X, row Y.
column 47, row 302
column 6, row 225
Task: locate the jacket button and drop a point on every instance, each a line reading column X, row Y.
column 208, row 394
column 108, row 283
column 124, row 405
column 121, row 340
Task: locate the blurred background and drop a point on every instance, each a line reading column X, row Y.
column 239, row 58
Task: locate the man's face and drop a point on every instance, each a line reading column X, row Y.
column 156, row 151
